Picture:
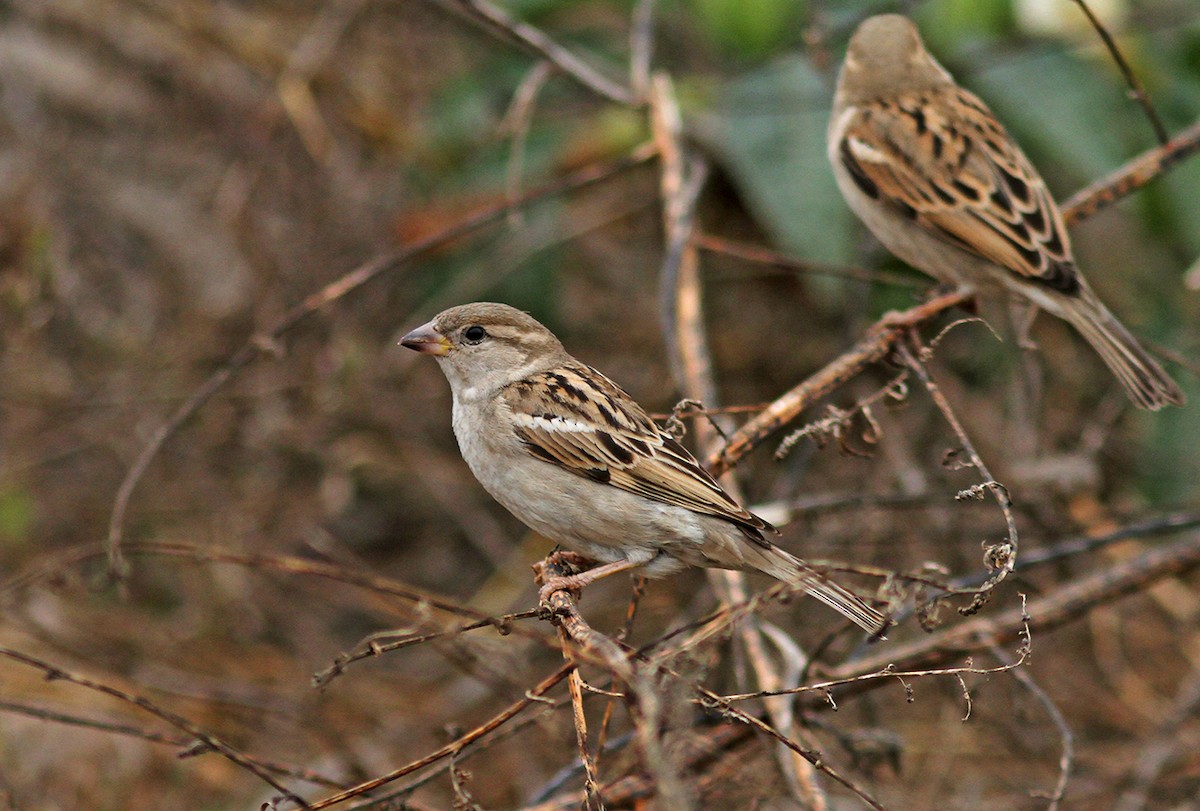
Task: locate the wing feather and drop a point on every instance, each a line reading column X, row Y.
column 947, row 164
column 580, row 420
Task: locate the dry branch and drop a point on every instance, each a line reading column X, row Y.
column 1135, row 174
column 455, row 747
column 939, row 653
column 873, row 347
column 1066, row 603
column 538, row 43
column 1136, row 90
column 206, row 739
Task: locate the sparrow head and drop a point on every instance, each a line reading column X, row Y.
column 485, row 346
column 886, row 57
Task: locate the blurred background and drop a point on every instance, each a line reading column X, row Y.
column 176, row 175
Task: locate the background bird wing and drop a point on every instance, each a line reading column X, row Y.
column 578, row 419
column 947, row 164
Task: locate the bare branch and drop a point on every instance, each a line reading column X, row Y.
column 1132, row 176
column 641, row 49
column 538, row 43
column 1136, row 91
column 207, row 739
column 453, row 748
column 1067, row 759
column 1002, row 557
column 871, row 348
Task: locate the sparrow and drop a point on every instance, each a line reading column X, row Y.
column 571, row 455
column 936, row 178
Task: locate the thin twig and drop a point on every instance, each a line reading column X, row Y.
column 55, row 564
column 294, row 85
column 193, row 746
column 592, row 799
column 1066, row 603
column 818, row 762
column 535, row 41
column 516, row 124
column 372, row 647
column 1000, row 558
column 1136, row 90
column 91, row 723
column 268, row 339
column 641, row 49
column 454, row 747
column 207, row 739
column 1067, row 759
column 765, row 256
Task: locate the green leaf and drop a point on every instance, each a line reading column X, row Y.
column 749, row 28
column 768, row 131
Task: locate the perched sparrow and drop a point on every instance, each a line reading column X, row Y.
column 565, row 450
column 941, row 184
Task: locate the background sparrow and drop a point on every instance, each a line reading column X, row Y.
column 941, row 184
column 569, row 453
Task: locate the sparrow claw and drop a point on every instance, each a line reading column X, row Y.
column 567, row 583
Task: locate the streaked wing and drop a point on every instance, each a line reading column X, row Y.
column 578, row 419
column 942, row 159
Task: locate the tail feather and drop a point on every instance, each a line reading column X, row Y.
column 1142, row 377
column 785, row 567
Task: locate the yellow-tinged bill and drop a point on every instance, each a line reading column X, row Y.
column 426, row 340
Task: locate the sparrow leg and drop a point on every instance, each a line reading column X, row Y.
column 906, row 319
column 575, row 582
column 1023, row 314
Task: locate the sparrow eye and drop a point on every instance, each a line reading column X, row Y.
column 474, row 334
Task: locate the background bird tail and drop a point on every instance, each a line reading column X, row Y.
column 1142, row 377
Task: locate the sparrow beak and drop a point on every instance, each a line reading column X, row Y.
column 426, row 340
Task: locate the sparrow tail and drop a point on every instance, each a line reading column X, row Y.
column 1143, row 379
column 789, row 569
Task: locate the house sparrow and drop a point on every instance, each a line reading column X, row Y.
column 941, row 184
column 565, row 450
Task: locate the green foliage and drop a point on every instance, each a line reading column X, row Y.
column 768, row 129
column 17, row 514
column 1071, row 112
column 748, row 28
column 948, row 24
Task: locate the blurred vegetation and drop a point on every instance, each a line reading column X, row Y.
column 176, row 174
